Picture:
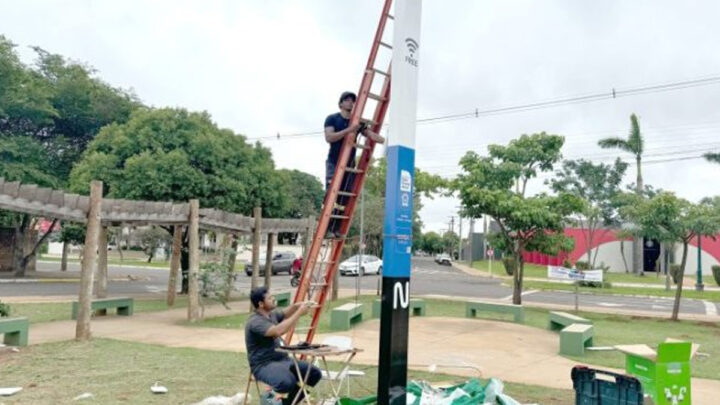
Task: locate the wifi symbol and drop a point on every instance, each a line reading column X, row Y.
column 412, row 45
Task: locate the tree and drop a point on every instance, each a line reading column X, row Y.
column 598, row 185
column 176, row 155
column 712, row 157
column 634, row 144
column 47, row 116
column 426, row 185
column 431, row 242
column 495, row 185
column 70, row 234
column 151, row 239
column 304, row 193
column 668, row 218
column 450, row 242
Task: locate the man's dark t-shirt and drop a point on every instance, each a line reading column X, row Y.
column 339, row 123
column 260, row 348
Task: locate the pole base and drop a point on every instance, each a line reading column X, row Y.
column 699, row 287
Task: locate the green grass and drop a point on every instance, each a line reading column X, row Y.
column 688, row 291
column 610, row 330
column 540, row 271
column 58, row 311
column 117, row 372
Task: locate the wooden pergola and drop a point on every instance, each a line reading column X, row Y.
column 98, row 213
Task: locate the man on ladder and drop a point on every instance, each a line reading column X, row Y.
column 336, row 128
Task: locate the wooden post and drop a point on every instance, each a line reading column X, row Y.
column 174, row 264
column 257, row 237
column 307, row 239
column 268, row 258
column 335, row 283
column 194, row 269
column 82, row 328
column 102, row 264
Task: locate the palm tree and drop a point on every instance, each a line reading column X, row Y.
column 712, row 157
column 634, row 144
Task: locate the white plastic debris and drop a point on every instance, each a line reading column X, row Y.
column 158, row 389
column 85, row 395
column 237, row 399
column 6, row 392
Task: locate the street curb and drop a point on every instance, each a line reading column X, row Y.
column 49, row 280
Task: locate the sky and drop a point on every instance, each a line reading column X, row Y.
column 263, row 68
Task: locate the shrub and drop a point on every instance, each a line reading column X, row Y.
column 716, row 273
column 581, row 265
column 567, row 264
column 510, row 265
column 4, row 309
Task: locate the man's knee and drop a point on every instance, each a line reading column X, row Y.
column 286, row 384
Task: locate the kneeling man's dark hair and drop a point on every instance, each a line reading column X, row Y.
column 257, row 295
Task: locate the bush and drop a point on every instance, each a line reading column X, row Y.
column 675, row 272
column 4, row 309
column 716, row 273
column 581, row 265
column 510, row 265
column 567, row 264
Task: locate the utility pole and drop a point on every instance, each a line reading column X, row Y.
column 470, row 241
column 452, row 223
column 459, row 238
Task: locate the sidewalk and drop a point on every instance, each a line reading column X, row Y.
column 486, row 344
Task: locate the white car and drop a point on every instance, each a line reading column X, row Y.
column 443, row 258
column 367, row 265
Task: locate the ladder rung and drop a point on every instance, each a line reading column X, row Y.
column 339, row 216
column 390, row 16
column 304, row 328
column 376, row 97
column 378, row 71
column 368, row 122
column 353, row 170
column 361, row 146
column 386, row 45
column 318, row 284
column 346, row 194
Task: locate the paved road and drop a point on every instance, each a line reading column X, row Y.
column 427, row 278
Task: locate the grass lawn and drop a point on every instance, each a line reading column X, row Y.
column 609, row 330
column 58, row 311
column 118, row 372
column 688, row 291
column 539, row 271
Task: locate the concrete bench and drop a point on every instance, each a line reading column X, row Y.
column 559, row 320
column 124, row 306
column 416, row 307
column 472, row 308
column 15, row 331
column 283, row 299
column 345, row 315
column 575, row 338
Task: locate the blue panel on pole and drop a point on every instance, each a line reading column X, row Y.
column 397, row 246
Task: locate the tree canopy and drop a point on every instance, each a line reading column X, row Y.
column 495, row 185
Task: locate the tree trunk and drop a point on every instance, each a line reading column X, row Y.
column 268, row 259
column 681, row 279
column 82, row 328
column 119, row 242
column 102, row 265
column 517, row 278
column 622, row 254
column 335, row 285
column 21, row 231
column 64, row 259
column 174, row 264
column 231, row 268
column 194, row 251
column 637, row 240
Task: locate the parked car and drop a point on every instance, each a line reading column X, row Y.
column 282, row 262
column 443, row 258
column 367, row 265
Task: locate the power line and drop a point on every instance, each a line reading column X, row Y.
column 599, row 96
